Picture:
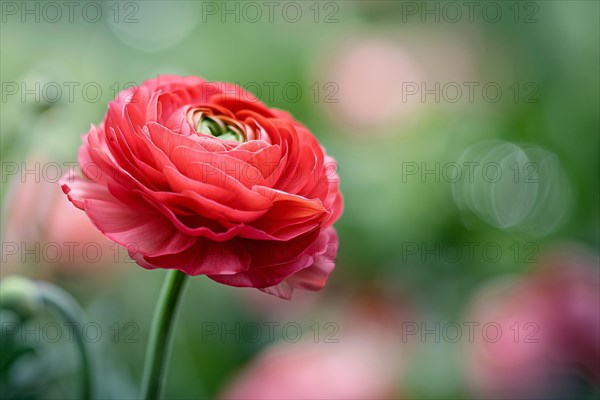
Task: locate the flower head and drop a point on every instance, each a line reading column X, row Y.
column 204, row 178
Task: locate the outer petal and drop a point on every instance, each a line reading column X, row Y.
column 315, row 276
column 205, row 257
column 290, row 215
column 78, row 189
column 309, row 270
column 135, row 225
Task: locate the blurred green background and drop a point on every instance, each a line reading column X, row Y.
column 393, row 90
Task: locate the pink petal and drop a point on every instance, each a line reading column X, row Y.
column 78, row 189
column 141, row 229
column 313, row 277
column 205, row 257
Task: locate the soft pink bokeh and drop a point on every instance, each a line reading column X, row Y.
column 36, row 214
column 550, row 323
column 369, row 73
column 368, row 361
column 375, row 73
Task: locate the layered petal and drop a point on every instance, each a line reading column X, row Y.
column 203, row 177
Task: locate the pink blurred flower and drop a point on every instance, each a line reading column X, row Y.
column 369, row 74
column 366, row 362
column 44, row 234
column 549, row 323
column 376, row 83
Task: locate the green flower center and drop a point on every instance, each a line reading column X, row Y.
column 222, row 127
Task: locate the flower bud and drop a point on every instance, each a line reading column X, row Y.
column 20, row 295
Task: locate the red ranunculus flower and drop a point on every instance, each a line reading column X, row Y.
column 204, row 178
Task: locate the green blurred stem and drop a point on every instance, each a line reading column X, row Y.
column 158, row 345
column 59, row 300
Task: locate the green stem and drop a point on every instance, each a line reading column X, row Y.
column 59, row 300
column 157, row 351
